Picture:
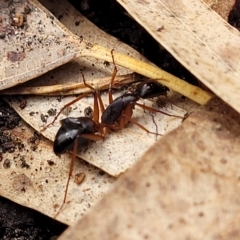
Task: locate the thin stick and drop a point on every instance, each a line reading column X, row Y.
column 114, row 74
column 72, row 88
column 75, row 146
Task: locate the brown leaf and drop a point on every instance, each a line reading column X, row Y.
column 103, row 154
column 36, row 178
column 120, row 150
column 34, row 110
column 222, row 7
column 185, row 186
column 58, row 45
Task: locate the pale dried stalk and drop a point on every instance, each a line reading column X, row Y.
column 194, row 93
column 72, row 88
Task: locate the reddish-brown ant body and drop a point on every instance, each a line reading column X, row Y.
column 117, row 114
column 76, row 132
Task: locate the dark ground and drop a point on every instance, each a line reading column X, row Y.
column 17, row 222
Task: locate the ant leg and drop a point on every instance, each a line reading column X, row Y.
column 112, row 79
column 143, row 128
column 156, row 110
column 97, row 101
column 75, row 146
column 74, row 101
column 95, row 106
column 92, row 136
column 126, row 117
column 89, row 136
column 65, row 106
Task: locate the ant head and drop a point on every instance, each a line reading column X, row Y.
column 150, row 89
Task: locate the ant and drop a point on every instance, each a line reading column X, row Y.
column 117, row 114
column 115, row 117
column 79, row 131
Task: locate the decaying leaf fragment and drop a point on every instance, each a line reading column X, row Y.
column 222, row 7
column 185, row 186
column 31, row 43
column 198, row 38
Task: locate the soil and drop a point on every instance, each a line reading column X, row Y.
column 17, row 222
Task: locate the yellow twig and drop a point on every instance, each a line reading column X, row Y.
column 195, row 93
column 71, row 88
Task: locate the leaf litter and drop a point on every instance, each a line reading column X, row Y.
column 33, row 176
column 198, row 38
column 77, row 201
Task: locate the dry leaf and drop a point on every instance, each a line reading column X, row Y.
column 108, row 154
column 32, row 48
column 77, row 200
column 73, row 46
column 198, row 38
column 103, row 154
column 35, row 177
column 184, row 187
column 222, row 7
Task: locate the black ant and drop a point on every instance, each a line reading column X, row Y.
column 79, row 131
column 117, row 114
column 115, row 117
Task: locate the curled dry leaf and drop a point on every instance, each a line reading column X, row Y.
column 198, row 38
column 186, row 185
